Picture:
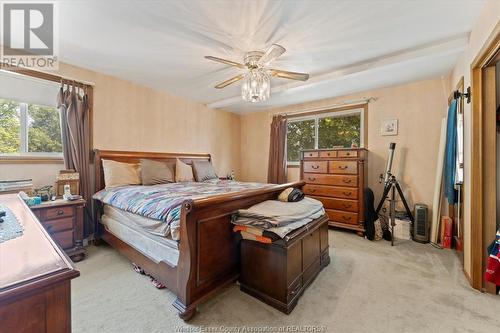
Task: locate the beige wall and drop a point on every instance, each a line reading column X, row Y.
column 42, row 174
column 128, row 116
column 419, row 106
column 487, row 23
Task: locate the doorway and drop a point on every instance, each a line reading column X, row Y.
column 484, row 159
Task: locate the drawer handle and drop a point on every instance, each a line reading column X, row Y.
column 311, row 178
column 49, row 228
column 315, row 166
column 312, row 190
column 60, row 212
column 347, row 180
column 328, row 154
column 347, row 154
column 343, row 167
column 347, row 218
column 347, row 205
column 347, row 193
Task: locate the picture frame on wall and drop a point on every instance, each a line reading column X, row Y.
column 389, row 127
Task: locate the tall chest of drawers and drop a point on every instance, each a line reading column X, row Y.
column 337, row 178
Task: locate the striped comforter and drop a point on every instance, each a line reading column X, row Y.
column 163, row 202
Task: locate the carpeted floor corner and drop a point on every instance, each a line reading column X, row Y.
column 368, row 287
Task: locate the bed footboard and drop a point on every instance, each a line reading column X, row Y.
column 209, row 257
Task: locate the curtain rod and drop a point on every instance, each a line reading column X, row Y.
column 332, row 106
column 45, row 76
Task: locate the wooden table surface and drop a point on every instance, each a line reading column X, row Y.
column 33, row 259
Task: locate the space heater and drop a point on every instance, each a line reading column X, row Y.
column 421, row 224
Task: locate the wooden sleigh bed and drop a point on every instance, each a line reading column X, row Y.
column 208, row 249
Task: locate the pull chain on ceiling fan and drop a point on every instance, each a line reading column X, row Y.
column 256, row 85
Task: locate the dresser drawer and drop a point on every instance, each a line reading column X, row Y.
column 344, row 192
column 58, row 225
column 64, row 238
column 316, row 166
column 347, row 153
column 338, row 204
column 342, row 217
column 310, row 154
column 328, row 153
column 343, row 167
column 339, row 180
column 57, row 212
column 320, row 190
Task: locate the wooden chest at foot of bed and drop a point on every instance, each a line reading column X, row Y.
column 278, row 273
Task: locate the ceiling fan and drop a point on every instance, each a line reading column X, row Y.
column 256, row 85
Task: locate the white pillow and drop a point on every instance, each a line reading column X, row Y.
column 119, row 174
column 183, row 172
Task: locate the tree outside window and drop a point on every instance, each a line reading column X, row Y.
column 333, row 130
column 29, row 128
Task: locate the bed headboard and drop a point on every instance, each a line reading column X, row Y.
column 135, row 157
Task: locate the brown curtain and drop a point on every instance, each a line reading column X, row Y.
column 276, row 173
column 73, row 105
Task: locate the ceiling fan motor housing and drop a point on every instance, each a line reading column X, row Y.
column 251, row 59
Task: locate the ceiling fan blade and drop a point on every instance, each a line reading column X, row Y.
column 226, row 62
column 230, row 81
column 273, row 52
column 289, row 75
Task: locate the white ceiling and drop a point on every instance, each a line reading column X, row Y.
column 347, row 46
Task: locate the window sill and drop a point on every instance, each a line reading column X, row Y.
column 31, row 159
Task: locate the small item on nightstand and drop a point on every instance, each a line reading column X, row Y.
column 30, row 201
column 67, row 177
column 74, row 197
column 67, row 191
column 45, row 192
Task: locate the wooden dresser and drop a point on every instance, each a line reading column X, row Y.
column 337, row 178
column 35, row 277
column 63, row 220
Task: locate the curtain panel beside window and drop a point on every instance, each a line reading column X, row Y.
column 277, row 169
column 74, row 112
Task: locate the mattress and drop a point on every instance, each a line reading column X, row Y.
column 153, row 226
column 163, row 202
column 157, row 248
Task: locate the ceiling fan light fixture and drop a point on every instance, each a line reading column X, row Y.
column 256, row 86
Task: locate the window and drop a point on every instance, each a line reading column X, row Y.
column 29, row 129
column 324, row 131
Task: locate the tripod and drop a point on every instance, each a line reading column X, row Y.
column 392, row 185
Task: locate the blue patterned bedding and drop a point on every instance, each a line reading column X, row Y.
column 163, row 202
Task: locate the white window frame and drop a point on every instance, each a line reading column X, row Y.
column 23, row 139
column 334, row 114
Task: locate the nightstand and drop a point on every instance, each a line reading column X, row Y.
column 63, row 220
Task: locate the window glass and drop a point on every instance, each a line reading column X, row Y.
column 324, row 131
column 300, row 135
column 339, row 131
column 10, row 127
column 44, row 129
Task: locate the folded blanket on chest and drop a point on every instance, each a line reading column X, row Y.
column 272, row 220
column 275, row 214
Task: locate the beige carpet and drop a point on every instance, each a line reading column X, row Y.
column 368, row 287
